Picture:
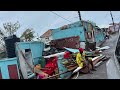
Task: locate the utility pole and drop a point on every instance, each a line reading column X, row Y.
column 112, row 20
column 83, row 27
column 81, row 20
column 79, row 15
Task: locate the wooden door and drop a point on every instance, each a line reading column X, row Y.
column 13, row 73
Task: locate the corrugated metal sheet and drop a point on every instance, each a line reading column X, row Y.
column 70, row 42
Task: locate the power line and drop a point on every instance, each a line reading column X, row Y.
column 60, row 16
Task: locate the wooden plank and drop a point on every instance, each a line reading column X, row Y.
column 22, row 65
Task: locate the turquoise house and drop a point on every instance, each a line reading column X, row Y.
column 70, row 30
column 9, row 68
column 35, row 47
column 93, row 33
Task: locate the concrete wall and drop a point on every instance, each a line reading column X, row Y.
column 36, row 49
column 75, row 31
column 99, row 36
column 4, row 66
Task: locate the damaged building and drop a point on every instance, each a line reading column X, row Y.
column 90, row 32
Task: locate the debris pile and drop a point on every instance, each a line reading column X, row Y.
column 61, row 63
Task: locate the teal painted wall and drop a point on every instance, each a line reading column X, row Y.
column 99, row 36
column 75, row 31
column 36, row 49
column 4, row 66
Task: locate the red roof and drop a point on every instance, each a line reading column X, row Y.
column 47, row 33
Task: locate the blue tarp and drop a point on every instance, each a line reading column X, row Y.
column 72, row 50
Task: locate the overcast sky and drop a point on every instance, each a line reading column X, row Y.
column 41, row 21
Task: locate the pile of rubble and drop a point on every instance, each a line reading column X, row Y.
column 51, row 69
column 60, row 59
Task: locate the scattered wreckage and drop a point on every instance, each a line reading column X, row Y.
column 60, row 63
column 67, row 67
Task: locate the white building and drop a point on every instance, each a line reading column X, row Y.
column 116, row 26
column 46, row 38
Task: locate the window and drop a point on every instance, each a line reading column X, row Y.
column 27, row 50
column 89, row 27
column 89, row 35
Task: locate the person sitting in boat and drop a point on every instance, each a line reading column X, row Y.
column 81, row 59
